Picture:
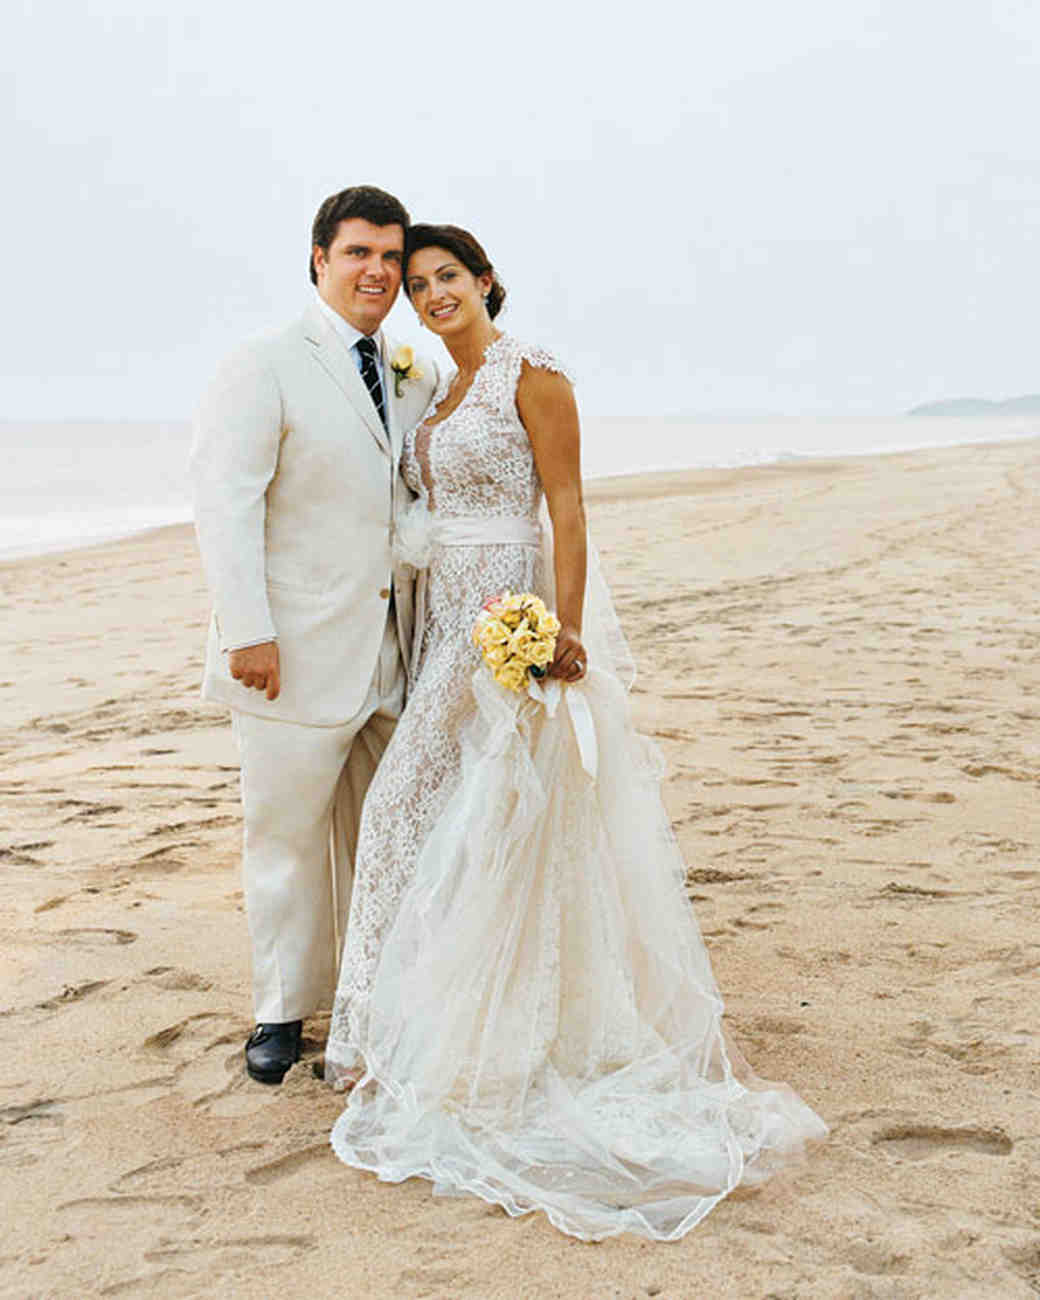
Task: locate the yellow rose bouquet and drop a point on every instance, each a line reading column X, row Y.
column 516, row 634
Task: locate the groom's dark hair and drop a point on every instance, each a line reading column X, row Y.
column 364, row 201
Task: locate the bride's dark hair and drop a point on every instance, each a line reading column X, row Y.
column 461, row 244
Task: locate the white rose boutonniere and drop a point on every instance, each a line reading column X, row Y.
column 402, row 363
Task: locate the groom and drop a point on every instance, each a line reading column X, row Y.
column 296, row 485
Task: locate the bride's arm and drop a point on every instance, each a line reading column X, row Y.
column 545, row 402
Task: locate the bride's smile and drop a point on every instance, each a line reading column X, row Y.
column 448, row 298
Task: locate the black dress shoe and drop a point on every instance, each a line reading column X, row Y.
column 272, row 1049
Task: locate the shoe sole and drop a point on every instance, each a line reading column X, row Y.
column 269, row 1076
column 275, row 1076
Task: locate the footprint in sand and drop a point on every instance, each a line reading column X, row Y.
column 72, row 993
column 1025, row 1260
column 176, row 978
column 142, row 1175
column 91, row 811
column 205, row 1052
column 52, row 903
column 897, row 889
column 95, row 935
column 715, row 876
column 273, row 1171
column 777, row 1025
column 212, row 1257
column 160, row 860
column 927, row 1141
column 876, row 1259
column 164, row 1038
column 103, row 1211
column 16, row 856
column 168, row 1173
column 27, row 1128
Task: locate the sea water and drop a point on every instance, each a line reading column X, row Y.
column 77, row 483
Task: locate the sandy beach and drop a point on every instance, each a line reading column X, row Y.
column 840, row 662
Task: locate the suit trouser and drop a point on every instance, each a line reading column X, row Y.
column 302, row 791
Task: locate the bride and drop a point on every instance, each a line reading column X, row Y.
column 526, row 1010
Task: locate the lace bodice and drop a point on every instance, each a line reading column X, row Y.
column 478, row 460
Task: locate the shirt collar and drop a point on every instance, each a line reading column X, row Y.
column 344, row 329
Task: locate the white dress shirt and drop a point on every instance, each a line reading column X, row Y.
column 350, row 336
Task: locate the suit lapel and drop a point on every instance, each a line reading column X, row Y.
column 394, row 404
column 404, row 412
column 335, row 358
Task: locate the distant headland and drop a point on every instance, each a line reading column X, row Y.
column 1027, row 405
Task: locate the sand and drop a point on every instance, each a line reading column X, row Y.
column 840, row 661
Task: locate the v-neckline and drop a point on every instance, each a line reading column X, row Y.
column 425, row 429
column 438, row 397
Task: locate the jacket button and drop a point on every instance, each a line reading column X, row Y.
column 385, row 593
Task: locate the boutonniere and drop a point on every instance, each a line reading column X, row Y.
column 402, row 363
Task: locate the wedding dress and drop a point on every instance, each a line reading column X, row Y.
column 524, row 982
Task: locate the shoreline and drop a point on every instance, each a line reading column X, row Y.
column 644, row 483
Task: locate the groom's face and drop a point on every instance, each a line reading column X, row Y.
column 360, row 272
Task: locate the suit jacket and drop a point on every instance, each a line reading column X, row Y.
column 296, row 485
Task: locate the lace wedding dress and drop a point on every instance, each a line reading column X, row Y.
column 524, row 983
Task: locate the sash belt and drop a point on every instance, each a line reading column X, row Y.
column 473, row 530
column 417, row 533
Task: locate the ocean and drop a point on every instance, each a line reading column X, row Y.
column 77, row 483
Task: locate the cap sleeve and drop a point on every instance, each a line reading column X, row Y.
column 515, row 353
column 540, row 358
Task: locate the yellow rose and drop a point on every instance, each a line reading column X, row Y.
column 494, row 632
column 512, row 676
column 403, row 359
column 521, row 643
column 496, row 656
column 542, row 653
column 549, row 626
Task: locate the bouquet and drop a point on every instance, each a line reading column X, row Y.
column 516, row 634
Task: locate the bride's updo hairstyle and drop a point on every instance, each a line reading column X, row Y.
column 462, row 246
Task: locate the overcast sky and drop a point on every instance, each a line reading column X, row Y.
column 821, row 206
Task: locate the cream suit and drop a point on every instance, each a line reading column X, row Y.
column 296, row 487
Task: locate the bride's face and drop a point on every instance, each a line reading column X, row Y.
column 447, row 296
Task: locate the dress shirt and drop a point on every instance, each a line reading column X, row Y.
column 350, row 336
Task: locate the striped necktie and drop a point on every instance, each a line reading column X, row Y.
column 370, row 374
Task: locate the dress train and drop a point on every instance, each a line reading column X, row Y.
column 545, row 1030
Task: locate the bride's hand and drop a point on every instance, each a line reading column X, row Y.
column 571, row 660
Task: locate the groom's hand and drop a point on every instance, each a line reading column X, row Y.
column 257, row 666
